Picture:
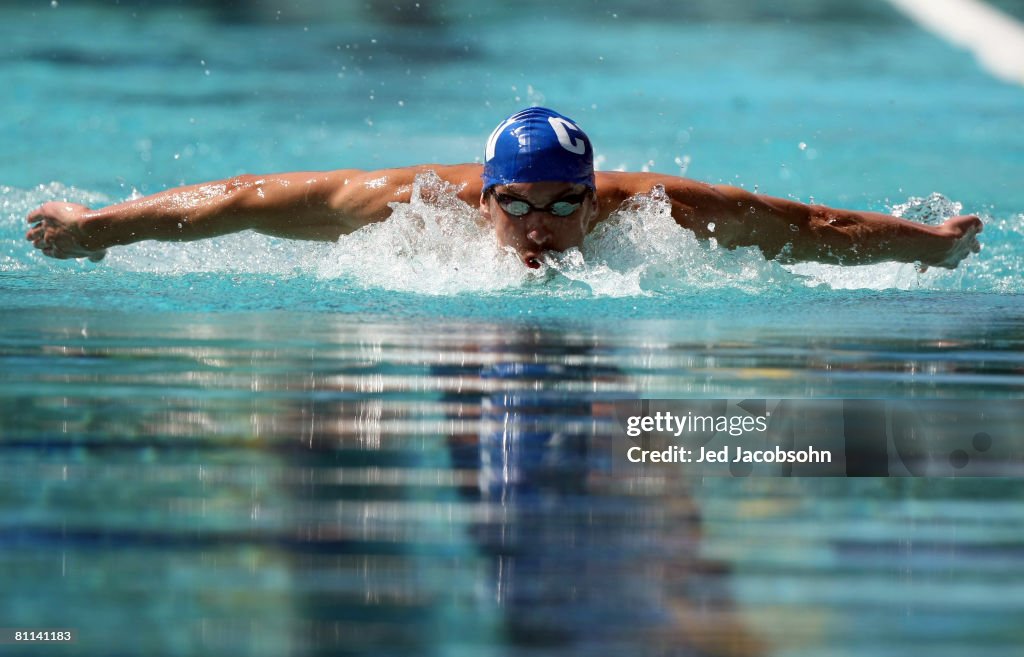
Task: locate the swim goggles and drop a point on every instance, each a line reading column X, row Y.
column 517, row 207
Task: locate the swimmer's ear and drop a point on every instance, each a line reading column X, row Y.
column 485, row 207
column 595, row 209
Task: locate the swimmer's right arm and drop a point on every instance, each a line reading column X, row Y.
column 311, row 206
column 290, row 205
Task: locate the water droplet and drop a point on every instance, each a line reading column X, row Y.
column 802, row 146
column 711, row 227
column 794, row 228
column 54, row 4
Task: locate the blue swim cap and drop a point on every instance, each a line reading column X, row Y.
column 538, row 144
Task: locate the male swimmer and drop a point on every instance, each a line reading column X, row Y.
column 537, row 187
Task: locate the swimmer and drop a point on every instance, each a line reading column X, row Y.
column 537, row 187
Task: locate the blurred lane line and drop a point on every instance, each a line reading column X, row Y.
column 995, row 38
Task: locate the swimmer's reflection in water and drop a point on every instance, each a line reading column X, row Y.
column 580, row 559
column 506, row 531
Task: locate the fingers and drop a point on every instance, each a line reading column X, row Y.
column 63, row 250
column 42, row 223
column 973, row 227
column 55, row 213
column 960, row 234
column 58, row 252
column 37, row 235
column 53, row 231
column 50, row 245
column 967, row 224
column 35, row 216
column 43, row 212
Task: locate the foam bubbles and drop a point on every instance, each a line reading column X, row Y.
column 882, row 276
column 435, row 244
column 640, row 249
column 932, row 209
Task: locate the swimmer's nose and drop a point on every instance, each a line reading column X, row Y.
column 539, row 236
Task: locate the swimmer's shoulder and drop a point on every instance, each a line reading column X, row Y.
column 614, row 187
column 629, row 183
column 361, row 186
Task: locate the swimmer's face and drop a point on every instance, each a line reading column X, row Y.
column 539, row 230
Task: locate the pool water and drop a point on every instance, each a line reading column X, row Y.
column 255, row 446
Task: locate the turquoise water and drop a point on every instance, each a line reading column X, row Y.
column 253, row 446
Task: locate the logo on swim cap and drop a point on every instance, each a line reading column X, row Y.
column 538, row 144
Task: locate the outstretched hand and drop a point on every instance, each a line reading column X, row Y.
column 961, row 232
column 56, row 231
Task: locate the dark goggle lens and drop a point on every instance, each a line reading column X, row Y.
column 518, row 207
column 563, row 208
column 513, row 207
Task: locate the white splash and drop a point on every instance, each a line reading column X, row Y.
column 435, row 244
column 932, row 209
column 640, row 249
column 438, row 245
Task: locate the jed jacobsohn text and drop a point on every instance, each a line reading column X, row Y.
column 676, row 454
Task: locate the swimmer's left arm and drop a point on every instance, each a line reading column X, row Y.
column 793, row 232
